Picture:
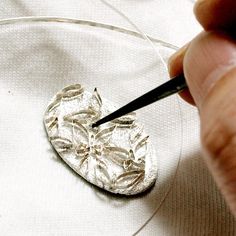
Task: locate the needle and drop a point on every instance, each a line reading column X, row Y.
column 175, row 85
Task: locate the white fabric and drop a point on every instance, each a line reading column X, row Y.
column 39, row 195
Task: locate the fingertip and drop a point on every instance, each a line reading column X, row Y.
column 175, row 64
column 186, row 95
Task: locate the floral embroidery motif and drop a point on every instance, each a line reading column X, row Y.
column 97, row 153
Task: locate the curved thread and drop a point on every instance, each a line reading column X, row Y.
column 55, row 19
column 137, row 28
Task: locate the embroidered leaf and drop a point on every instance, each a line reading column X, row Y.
column 85, row 116
column 116, row 154
column 96, row 102
column 129, row 179
column 55, row 103
column 83, row 164
column 131, row 163
column 134, row 136
column 141, row 143
column 76, row 124
column 104, row 135
column 51, row 122
column 102, row 174
column 138, row 180
column 72, row 91
column 126, row 121
column 117, row 151
column 97, row 96
column 124, row 158
column 61, row 144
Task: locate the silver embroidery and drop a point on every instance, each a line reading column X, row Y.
column 112, row 156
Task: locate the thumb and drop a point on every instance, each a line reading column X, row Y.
column 210, row 70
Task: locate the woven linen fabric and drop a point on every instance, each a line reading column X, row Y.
column 39, row 195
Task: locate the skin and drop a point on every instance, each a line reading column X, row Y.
column 209, row 65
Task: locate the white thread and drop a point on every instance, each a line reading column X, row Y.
column 137, row 28
column 56, row 19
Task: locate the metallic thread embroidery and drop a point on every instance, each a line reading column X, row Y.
column 97, row 154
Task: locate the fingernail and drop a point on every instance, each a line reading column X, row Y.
column 176, row 56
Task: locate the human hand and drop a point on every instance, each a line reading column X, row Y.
column 209, row 65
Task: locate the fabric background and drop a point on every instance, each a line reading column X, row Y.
column 40, row 196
